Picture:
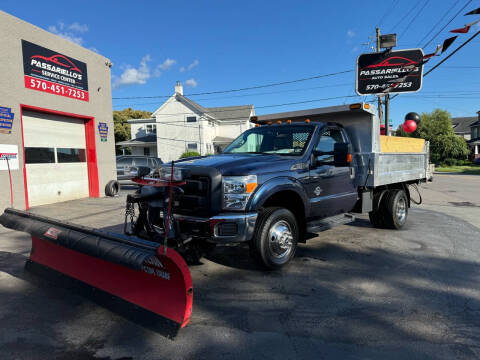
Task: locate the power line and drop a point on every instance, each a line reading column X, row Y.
column 452, row 53
column 388, row 11
column 414, row 18
column 438, row 22
column 405, row 16
column 242, row 89
column 258, row 107
column 247, row 95
column 439, row 31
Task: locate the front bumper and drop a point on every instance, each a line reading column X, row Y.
column 223, row 228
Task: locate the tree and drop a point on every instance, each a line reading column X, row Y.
column 436, row 127
column 189, row 154
column 121, row 126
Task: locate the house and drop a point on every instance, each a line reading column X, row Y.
column 461, row 126
column 469, row 129
column 181, row 125
column 474, row 142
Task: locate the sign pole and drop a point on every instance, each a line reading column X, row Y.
column 387, row 111
column 380, row 115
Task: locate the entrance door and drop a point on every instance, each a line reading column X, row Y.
column 55, row 158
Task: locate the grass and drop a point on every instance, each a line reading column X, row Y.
column 466, row 169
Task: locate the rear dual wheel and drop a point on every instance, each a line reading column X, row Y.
column 391, row 211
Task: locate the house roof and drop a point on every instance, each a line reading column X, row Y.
column 461, row 125
column 229, row 113
column 222, row 113
column 144, row 140
column 475, row 123
column 222, row 139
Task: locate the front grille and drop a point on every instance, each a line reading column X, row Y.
column 196, row 198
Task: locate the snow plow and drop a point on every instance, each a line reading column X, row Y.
column 146, row 272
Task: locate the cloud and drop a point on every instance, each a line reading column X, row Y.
column 131, row 75
column 80, row 28
column 69, row 32
column 167, row 64
column 190, row 67
column 191, row 82
column 350, row 33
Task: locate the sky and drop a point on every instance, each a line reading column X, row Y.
column 222, row 45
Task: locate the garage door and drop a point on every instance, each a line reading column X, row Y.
column 55, row 158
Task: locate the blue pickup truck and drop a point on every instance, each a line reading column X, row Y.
column 294, row 175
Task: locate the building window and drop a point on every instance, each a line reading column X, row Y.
column 39, row 155
column 191, row 119
column 70, row 155
column 475, row 133
column 192, row 147
column 146, row 151
column 151, row 129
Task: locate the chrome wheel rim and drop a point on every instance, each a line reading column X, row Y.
column 280, row 239
column 401, row 210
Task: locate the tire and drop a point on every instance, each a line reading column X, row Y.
column 396, row 209
column 276, row 236
column 376, row 216
column 112, row 188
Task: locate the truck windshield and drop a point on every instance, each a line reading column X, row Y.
column 280, row 140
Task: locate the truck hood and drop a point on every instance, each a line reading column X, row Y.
column 243, row 164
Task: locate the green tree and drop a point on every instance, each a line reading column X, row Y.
column 122, row 127
column 189, row 154
column 436, row 127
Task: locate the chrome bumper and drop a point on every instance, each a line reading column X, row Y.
column 244, row 222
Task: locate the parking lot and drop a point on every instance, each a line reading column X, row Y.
column 354, row 292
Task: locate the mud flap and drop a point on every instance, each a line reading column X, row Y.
column 136, row 271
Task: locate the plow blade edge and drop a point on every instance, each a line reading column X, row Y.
column 132, row 269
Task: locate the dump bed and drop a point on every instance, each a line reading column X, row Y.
column 379, row 160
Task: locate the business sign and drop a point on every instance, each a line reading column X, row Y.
column 389, row 72
column 10, row 153
column 6, row 120
column 48, row 71
column 103, row 131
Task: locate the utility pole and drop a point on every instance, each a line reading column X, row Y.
column 379, row 97
column 387, row 97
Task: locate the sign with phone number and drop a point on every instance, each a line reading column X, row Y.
column 57, row 89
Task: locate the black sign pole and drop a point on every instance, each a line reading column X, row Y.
column 379, row 98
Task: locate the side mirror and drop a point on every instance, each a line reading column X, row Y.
column 342, row 154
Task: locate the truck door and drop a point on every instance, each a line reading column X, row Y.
column 331, row 189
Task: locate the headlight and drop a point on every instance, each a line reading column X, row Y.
column 237, row 190
column 165, row 173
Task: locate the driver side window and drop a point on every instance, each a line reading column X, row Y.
column 326, row 144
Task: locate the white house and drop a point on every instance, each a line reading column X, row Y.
column 181, row 125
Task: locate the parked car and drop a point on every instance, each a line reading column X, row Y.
column 477, row 161
column 127, row 161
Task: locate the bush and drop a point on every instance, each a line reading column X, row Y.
column 450, row 162
column 189, row 154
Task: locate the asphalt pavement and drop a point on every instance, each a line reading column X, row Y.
column 354, row 292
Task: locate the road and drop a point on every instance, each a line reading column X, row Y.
column 354, row 292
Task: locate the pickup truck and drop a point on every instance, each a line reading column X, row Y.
column 296, row 174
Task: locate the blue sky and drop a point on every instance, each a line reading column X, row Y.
column 219, row 45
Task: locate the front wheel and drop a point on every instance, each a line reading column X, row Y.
column 276, row 237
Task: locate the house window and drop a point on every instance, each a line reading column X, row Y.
column 151, row 129
column 191, row 119
column 146, row 151
column 192, row 147
column 475, row 133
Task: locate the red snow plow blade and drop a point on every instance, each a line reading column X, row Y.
column 137, row 271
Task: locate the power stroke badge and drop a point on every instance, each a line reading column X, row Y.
column 48, row 71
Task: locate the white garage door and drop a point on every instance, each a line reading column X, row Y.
column 55, row 158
